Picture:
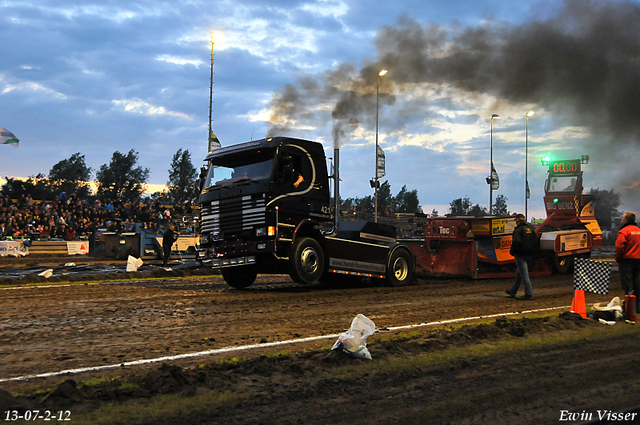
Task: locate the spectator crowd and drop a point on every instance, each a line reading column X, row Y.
column 68, row 218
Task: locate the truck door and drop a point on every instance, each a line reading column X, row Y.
column 294, row 178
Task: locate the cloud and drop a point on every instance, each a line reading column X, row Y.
column 308, row 68
column 581, row 64
column 179, row 60
column 141, row 107
column 32, row 87
column 327, row 8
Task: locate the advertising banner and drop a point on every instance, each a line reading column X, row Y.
column 13, row 248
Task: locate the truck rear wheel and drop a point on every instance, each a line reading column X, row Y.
column 400, row 269
column 306, row 261
column 240, row 277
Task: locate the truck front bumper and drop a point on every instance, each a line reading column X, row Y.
column 243, row 253
column 229, row 262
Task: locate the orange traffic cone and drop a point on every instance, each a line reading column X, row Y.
column 578, row 304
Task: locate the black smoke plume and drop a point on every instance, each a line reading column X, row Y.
column 582, row 64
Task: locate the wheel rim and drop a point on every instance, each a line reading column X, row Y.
column 309, row 260
column 400, row 269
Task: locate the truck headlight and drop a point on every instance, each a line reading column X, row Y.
column 262, row 231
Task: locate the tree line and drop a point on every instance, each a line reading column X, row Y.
column 464, row 206
column 405, row 201
column 605, row 203
column 122, row 178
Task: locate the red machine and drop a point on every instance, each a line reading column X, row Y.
column 478, row 247
column 567, row 207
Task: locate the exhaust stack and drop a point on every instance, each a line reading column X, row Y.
column 336, row 190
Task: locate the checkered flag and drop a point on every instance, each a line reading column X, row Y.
column 591, row 276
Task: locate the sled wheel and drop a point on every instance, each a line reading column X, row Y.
column 306, row 261
column 562, row 265
column 400, row 270
column 240, row 277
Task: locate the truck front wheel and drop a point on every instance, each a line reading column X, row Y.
column 306, row 261
column 239, row 277
column 400, row 269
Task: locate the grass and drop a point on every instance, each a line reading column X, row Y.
column 92, row 382
column 231, row 361
column 95, row 281
column 189, row 406
column 237, row 360
column 128, row 386
column 284, row 354
column 482, row 350
column 455, row 326
column 160, row 408
column 178, row 406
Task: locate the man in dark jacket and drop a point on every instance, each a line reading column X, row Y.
column 168, row 240
column 627, row 255
column 524, row 244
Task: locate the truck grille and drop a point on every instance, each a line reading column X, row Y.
column 233, row 215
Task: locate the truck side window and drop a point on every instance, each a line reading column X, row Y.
column 284, row 172
column 294, row 171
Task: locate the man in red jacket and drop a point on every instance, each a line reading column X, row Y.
column 628, row 255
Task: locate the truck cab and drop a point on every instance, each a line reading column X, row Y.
column 265, row 208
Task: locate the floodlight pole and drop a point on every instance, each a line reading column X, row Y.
column 526, row 164
column 491, row 167
column 375, row 179
column 210, row 97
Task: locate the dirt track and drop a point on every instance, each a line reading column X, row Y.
column 48, row 329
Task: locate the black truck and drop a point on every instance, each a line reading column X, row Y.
column 265, row 207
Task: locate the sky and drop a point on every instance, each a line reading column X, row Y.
column 99, row 77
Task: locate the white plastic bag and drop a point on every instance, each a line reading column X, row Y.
column 47, row 273
column 133, row 263
column 354, row 341
column 611, row 311
column 613, row 305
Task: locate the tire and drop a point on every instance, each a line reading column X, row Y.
column 240, row 277
column 562, row 265
column 400, row 268
column 306, row 261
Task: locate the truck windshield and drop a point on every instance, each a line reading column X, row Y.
column 562, row 184
column 239, row 169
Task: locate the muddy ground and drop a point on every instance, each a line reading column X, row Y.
column 51, row 328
